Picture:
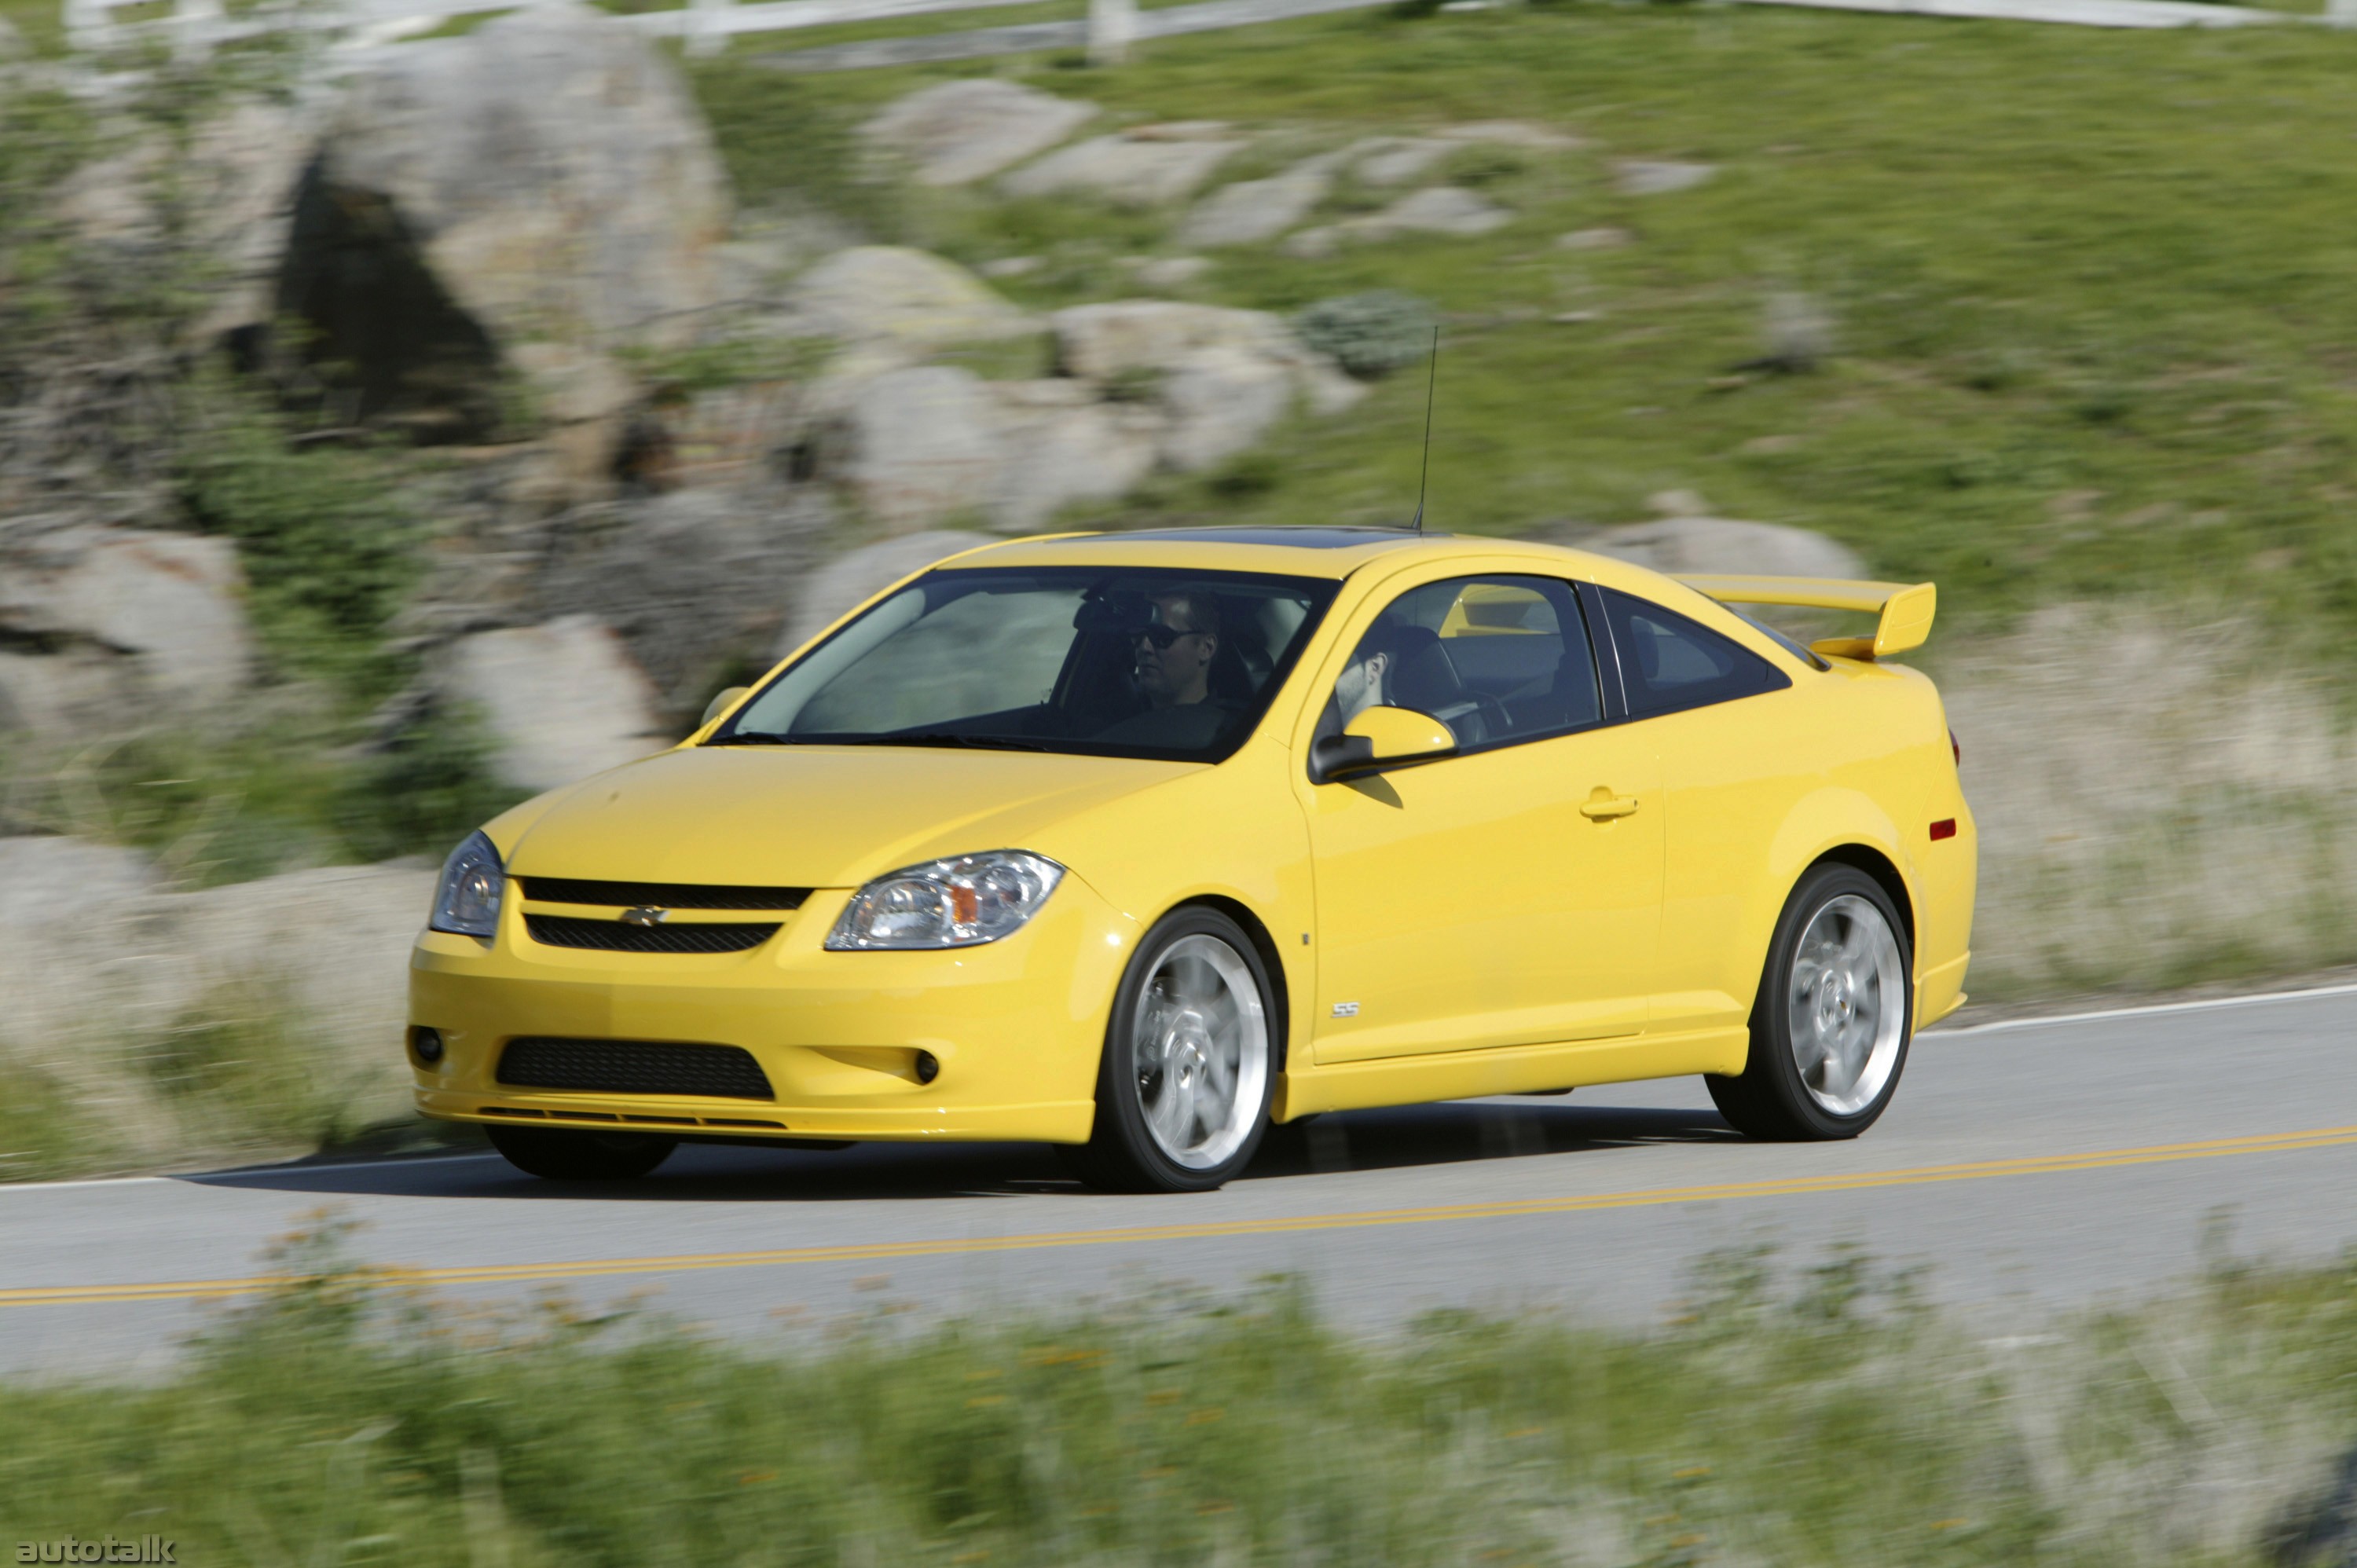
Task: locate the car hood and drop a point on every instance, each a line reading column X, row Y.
column 810, row 816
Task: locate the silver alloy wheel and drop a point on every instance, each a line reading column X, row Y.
column 1847, row 1004
column 1200, row 1044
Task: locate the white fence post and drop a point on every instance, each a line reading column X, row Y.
column 2341, row 13
column 1113, row 28
column 707, row 28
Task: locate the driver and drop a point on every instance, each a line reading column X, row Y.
column 1175, row 647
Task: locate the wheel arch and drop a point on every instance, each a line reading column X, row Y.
column 1272, row 959
column 1878, row 866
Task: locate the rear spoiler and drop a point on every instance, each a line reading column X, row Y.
column 1904, row 611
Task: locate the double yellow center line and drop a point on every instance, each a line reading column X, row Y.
column 1209, row 1229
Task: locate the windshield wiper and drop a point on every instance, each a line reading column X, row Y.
column 943, row 737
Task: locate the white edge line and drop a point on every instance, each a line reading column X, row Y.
column 289, row 1169
column 2055, row 1021
column 2206, row 1005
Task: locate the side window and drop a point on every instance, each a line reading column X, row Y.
column 1668, row 663
column 1496, row 659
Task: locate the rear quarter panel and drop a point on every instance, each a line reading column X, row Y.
column 1761, row 788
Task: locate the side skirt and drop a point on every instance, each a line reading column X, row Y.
column 1463, row 1075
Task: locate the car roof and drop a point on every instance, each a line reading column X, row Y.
column 1303, row 551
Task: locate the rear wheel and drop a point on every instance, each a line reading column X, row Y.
column 1189, row 1060
column 1834, row 1017
column 561, row 1154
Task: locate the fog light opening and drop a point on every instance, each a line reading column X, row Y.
column 928, row 1069
column 426, row 1045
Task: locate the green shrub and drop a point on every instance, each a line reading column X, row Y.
column 329, row 544
column 1370, row 333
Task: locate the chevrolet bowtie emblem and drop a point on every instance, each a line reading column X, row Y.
column 645, row 915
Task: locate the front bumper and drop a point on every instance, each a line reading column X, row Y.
column 1018, row 1028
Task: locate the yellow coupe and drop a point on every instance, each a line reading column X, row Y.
column 1138, row 843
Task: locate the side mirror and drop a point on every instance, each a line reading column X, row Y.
column 721, row 704
column 1380, row 737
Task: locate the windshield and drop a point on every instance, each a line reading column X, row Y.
column 1119, row 663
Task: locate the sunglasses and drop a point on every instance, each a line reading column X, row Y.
column 1162, row 636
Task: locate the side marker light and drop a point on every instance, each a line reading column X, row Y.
column 1945, row 828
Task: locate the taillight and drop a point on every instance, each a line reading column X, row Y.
column 1956, row 747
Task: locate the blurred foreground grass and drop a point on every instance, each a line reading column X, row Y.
column 1831, row 1420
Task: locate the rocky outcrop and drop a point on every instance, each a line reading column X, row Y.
column 547, row 178
column 955, row 133
column 1146, row 165
column 687, row 580
column 918, row 445
column 1253, row 210
column 857, row 575
column 94, row 613
column 91, row 927
column 559, row 701
column 1658, row 177
column 910, row 299
column 103, row 965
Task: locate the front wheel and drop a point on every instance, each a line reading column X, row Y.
column 1831, row 1028
column 558, row 1154
column 1190, row 1056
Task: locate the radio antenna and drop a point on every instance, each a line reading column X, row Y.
column 1432, row 379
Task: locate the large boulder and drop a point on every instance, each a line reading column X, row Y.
column 1146, row 165
column 954, row 133
column 1103, row 341
column 892, row 295
column 547, row 177
column 1253, row 210
column 688, row 580
column 918, row 445
column 1061, row 446
column 1221, row 399
column 1440, row 210
column 851, row 579
column 107, row 970
column 558, row 702
column 171, row 604
column 1122, row 337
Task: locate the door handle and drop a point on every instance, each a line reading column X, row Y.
column 1604, row 805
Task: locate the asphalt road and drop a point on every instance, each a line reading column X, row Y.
column 2023, row 1166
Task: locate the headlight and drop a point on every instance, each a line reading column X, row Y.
column 467, row 902
column 958, row 903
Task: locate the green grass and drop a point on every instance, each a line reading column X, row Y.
column 2089, row 289
column 1828, row 1419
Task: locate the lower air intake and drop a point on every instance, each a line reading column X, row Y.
column 634, row 1067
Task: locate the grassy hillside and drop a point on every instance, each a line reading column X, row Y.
column 2090, row 292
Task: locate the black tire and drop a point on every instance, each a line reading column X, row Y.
column 1124, row 1154
column 556, row 1153
column 1771, row 1100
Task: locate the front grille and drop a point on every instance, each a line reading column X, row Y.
column 613, row 936
column 634, row 1067
column 659, row 895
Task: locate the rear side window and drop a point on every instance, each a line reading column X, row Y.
column 1668, row 663
column 1498, row 660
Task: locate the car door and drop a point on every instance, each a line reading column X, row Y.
column 1508, row 895
column 1737, row 749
